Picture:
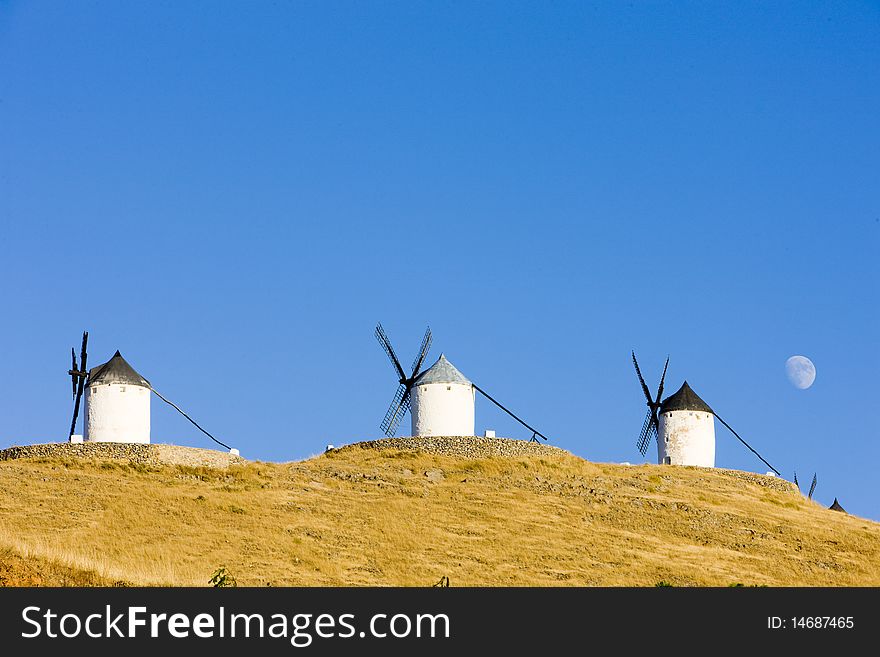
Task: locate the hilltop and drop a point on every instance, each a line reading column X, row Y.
column 370, row 514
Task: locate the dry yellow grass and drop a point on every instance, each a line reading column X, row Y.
column 365, row 517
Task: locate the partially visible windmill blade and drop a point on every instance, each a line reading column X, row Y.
column 796, row 481
column 76, row 400
column 386, row 345
column 423, row 351
column 81, row 384
column 812, row 487
column 73, row 421
column 73, row 368
column 399, row 407
column 646, row 434
column 662, row 379
column 642, row 380
column 82, row 353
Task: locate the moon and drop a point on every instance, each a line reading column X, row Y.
column 800, row 371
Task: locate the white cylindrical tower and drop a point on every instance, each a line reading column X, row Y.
column 117, row 406
column 687, row 430
column 442, row 402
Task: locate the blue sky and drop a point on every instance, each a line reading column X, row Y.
column 235, row 196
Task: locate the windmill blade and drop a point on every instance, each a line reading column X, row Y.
column 662, row 379
column 81, row 384
column 423, row 351
column 812, row 487
column 399, row 407
column 648, row 431
column 398, row 418
column 653, row 435
column 386, row 345
column 76, row 404
column 642, row 380
column 73, row 421
column 82, row 353
column 796, row 481
column 73, row 368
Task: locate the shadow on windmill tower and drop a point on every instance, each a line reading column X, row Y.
column 440, row 400
column 116, row 405
column 682, row 425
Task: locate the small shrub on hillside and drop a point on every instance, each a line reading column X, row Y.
column 738, row 585
column 663, row 583
column 222, row 579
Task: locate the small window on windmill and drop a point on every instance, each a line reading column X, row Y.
column 667, row 460
column 449, row 387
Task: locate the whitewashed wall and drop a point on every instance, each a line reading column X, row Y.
column 443, row 409
column 117, row 413
column 687, row 438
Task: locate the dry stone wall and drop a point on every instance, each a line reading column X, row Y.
column 154, row 454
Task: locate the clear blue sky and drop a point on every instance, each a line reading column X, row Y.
column 234, row 195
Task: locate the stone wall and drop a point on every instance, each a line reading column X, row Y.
column 131, row 452
column 461, row 446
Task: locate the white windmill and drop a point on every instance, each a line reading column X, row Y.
column 117, row 406
column 683, row 426
column 442, row 402
column 687, row 430
column 117, row 402
column 440, row 399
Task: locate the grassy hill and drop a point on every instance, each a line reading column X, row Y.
column 389, row 517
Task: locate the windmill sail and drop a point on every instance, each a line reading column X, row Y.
column 651, row 426
column 73, row 368
column 386, row 344
column 423, row 352
column 78, row 376
column 648, row 432
column 400, row 405
column 641, row 378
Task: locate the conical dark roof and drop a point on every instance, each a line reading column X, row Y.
column 116, row 370
column 835, row 506
column 684, row 400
